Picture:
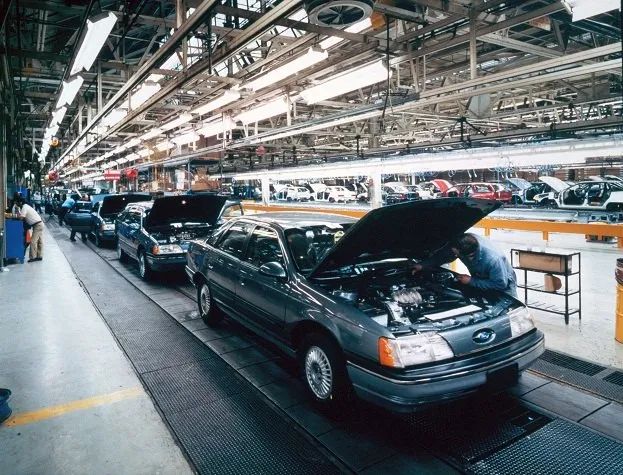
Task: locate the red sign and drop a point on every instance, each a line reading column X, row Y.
column 131, row 173
column 112, row 175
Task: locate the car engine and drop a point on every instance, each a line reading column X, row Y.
column 425, row 302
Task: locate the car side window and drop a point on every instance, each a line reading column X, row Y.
column 263, row 247
column 232, row 211
column 134, row 217
column 232, row 241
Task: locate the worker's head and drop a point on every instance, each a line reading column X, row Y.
column 465, row 247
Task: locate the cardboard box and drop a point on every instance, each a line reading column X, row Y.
column 542, row 262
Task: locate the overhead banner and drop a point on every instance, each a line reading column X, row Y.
column 112, row 175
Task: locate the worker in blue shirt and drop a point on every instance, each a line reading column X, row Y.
column 489, row 268
column 66, row 207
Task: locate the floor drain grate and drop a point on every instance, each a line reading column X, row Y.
column 564, row 361
column 615, row 378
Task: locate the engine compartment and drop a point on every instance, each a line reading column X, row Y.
column 427, row 301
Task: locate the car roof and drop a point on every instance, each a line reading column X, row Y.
column 288, row 219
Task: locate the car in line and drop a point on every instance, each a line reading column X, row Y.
column 293, row 193
column 340, row 296
column 79, row 218
column 105, row 210
column 397, row 192
column 336, row 194
column 157, row 233
column 591, row 195
column 484, row 191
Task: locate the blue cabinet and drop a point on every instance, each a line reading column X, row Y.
column 14, row 235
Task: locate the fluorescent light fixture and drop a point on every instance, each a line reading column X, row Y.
column 114, row 117
column 151, row 134
column 292, row 67
column 133, row 142
column 51, row 131
column 270, row 109
column 69, row 91
column 346, row 82
column 582, row 9
column 118, row 150
column 143, row 93
column 185, row 139
column 97, row 32
column 162, row 146
column 144, row 152
column 132, row 156
column 58, row 115
column 214, row 128
column 228, row 97
column 181, row 120
column 356, row 28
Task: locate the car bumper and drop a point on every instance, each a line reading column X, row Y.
column 106, row 235
column 432, row 385
column 173, row 262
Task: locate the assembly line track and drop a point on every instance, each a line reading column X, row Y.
column 475, row 445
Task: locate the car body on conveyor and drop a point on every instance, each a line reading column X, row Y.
column 591, row 195
column 483, row 191
column 105, row 210
column 157, row 233
column 340, row 296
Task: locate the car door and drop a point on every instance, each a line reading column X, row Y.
column 222, row 265
column 95, row 217
column 121, row 225
column 263, row 298
column 133, row 229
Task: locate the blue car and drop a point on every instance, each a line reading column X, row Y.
column 157, row 233
column 105, row 210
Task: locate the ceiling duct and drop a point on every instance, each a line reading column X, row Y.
column 338, row 13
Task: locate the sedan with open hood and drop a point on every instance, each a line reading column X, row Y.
column 340, row 296
column 105, row 210
column 157, row 234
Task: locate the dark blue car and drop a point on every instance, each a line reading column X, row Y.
column 105, row 210
column 157, row 233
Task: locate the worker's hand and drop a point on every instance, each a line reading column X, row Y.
column 464, row 279
column 416, row 268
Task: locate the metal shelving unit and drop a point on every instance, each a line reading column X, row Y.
column 569, row 270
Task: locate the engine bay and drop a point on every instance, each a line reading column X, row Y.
column 430, row 300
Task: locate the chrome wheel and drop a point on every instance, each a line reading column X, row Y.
column 142, row 265
column 318, row 372
column 204, row 299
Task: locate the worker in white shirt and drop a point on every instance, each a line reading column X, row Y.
column 33, row 220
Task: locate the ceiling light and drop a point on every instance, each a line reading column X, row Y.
column 151, row 134
column 214, row 128
column 144, row 152
column 58, row 115
column 133, row 142
column 162, row 146
column 95, row 37
column 132, row 156
column 114, row 117
column 292, row 67
column 143, row 93
column 181, row 120
column 270, row 109
column 228, row 97
column 582, row 9
column 69, row 91
column 185, row 139
column 346, row 82
column 356, row 28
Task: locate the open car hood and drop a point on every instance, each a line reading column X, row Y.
column 520, row 183
column 413, row 229
column 185, row 209
column 556, row 184
column 114, row 204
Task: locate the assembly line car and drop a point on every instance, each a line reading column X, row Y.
column 157, row 233
column 340, row 296
column 105, row 210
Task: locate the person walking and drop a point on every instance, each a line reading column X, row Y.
column 66, row 207
column 489, row 268
column 33, row 220
column 37, row 199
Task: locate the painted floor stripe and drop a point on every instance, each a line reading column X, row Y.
column 72, row 406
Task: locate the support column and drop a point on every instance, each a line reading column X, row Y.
column 375, row 190
column 265, row 181
column 473, row 61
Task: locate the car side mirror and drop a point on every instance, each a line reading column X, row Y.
column 273, row 269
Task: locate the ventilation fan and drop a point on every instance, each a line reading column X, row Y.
column 338, row 13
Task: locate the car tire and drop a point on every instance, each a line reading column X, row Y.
column 516, row 200
column 209, row 312
column 324, row 371
column 123, row 257
column 331, row 200
column 98, row 241
column 143, row 266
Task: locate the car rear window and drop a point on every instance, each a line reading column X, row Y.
column 309, row 244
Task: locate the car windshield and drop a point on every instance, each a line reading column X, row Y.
column 309, row 244
column 482, row 188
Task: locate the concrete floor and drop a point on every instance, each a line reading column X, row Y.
column 592, row 338
column 78, row 406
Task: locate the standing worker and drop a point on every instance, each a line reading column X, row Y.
column 33, row 220
column 66, row 207
column 489, row 268
column 37, row 199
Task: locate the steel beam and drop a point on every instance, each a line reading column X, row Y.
column 517, row 45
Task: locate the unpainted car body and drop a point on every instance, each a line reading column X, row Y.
column 340, row 296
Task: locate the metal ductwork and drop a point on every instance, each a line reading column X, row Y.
column 340, row 13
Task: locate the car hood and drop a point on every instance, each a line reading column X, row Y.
column 520, row 183
column 114, row 204
column 186, row 209
column 556, row 184
column 412, row 229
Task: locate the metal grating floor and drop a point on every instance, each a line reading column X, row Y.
column 559, row 448
column 569, row 362
column 615, row 377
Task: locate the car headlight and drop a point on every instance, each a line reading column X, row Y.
column 412, row 350
column 521, row 321
column 167, row 249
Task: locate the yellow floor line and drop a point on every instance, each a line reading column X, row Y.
column 72, row 406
